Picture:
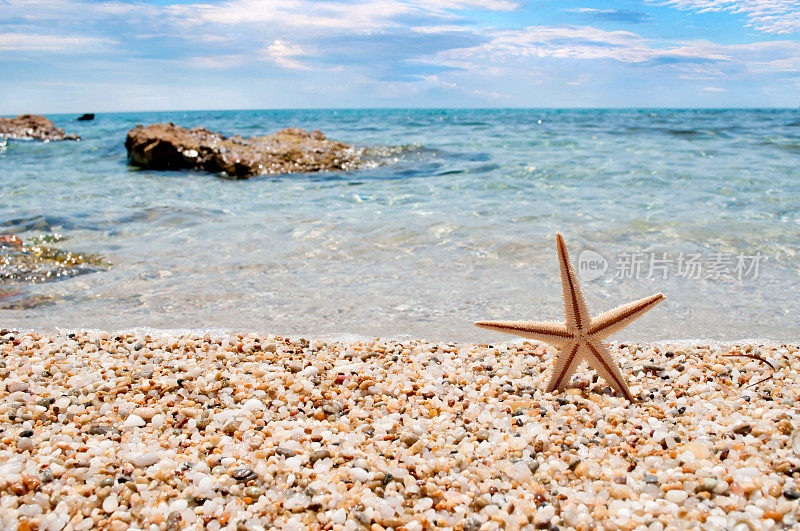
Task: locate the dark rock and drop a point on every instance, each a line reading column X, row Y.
column 26, row 433
column 742, row 429
column 285, row 452
column 791, row 494
column 32, row 127
column 174, row 521
column 318, row 454
column 103, row 430
column 243, row 474
column 293, row 150
column 471, row 524
column 86, row 117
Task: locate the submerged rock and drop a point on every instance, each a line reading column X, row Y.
column 293, row 150
column 33, row 262
column 32, row 127
column 86, row 117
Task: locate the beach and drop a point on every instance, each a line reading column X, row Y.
column 166, row 430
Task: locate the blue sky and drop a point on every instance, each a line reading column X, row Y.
column 87, row 55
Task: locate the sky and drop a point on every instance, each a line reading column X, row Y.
column 65, row 56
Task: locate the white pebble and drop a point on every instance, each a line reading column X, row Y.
column 133, row 421
column 676, row 496
column 145, row 460
column 339, row 516
column 253, row 404
column 145, row 413
column 360, row 474
column 16, row 386
column 111, row 503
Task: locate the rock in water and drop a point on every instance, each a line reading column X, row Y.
column 35, row 262
column 293, row 150
column 86, row 117
column 32, row 127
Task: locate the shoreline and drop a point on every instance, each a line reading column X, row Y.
column 259, row 431
column 353, row 337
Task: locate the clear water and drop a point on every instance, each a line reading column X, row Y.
column 457, row 225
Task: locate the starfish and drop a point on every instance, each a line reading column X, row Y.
column 580, row 337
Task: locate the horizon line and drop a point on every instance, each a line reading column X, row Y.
column 387, row 108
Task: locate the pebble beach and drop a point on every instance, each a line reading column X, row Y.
column 243, row 431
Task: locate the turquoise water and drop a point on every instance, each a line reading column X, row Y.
column 454, row 222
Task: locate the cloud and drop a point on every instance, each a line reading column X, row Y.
column 366, row 16
column 63, row 11
column 713, row 90
column 579, row 42
column 769, row 16
column 386, row 51
column 531, row 48
column 38, row 42
column 286, row 55
column 612, row 15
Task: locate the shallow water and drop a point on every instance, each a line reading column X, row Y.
column 456, row 225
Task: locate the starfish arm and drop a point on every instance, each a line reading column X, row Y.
column 600, row 359
column 554, row 333
column 574, row 304
column 615, row 320
column 569, row 357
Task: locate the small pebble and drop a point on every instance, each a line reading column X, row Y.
column 409, row 438
column 676, row 496
column 317, row 455
column 285, row 452
column 134, row 421
column 146, row 459
column 243, row 474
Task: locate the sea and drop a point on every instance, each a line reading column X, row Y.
column 452, row 220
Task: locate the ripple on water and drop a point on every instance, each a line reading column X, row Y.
column 452, row 221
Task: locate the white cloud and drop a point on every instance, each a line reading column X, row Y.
column 590, row 10
column 577, row 42
column 286, row 55
column 51, row 43
column 713, row 90
column 219, row 61
column 529, row 48
column 71, row 10
column 366, row 16
column 770, row 16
